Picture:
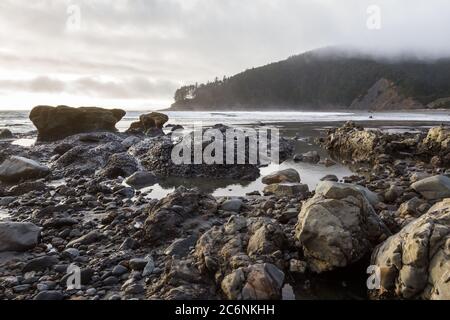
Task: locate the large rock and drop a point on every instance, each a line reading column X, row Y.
column 16, row 169
column 352, row 142
column 288, row 175
column 436, row 141
column 16, row 236
column 55, row 123
column 120, row 165
column 155, row 155
column 94, row 152
column 149, row 123
column 338, row 227
column 415, row 263
column 433, row 188
column 232, row 254
column 166, row 218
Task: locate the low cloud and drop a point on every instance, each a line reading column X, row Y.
column 129, row 88
column 142, row 48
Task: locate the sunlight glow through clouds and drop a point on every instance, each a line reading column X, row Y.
column 136, row 53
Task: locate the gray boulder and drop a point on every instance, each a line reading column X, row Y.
column 15, row 236
column 232, row 205
column 433, row 188
column 16, row 169
column 141, row 179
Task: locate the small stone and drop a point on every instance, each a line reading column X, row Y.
column 138, row 263
column 119, row 270
column 141, row 179
column 40, row 264
column 232, row 205
column 149, row 268
column 50, row 296
column 91, row 292
column 111, row 281
column 181, row 247
column 330, row 177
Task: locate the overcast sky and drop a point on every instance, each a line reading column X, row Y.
column 135, row 53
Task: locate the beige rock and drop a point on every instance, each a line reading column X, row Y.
column 416, row 261
column 288, row 175
column 337, row 227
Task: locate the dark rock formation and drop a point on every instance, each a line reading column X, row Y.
column 151, row 124
column 55, row 123
column 6, row 134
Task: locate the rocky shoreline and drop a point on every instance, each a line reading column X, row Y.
column 71, row 202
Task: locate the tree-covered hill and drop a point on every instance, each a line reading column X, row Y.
column 321, row 79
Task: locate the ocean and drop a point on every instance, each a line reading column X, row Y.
column 18, row 121
column 299, row 125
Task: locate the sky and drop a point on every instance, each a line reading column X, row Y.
column 134, row 54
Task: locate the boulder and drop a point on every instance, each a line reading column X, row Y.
column 288, row 175
column 119, row 165
column 16, row 169
column 167, row 216
column 181, row 280
column 338, row 227
column 148, row 123
column 15, row 236
column 415, row 263
column 232, row 205
column 156, row 155
column 55, row 123
column 433, row 188
column 257, row 282
column 141, row 179
column 335, row 190
column 436, row 141
column 287, row 189
column 266, row 240
column 230, row 252
column 6, row 134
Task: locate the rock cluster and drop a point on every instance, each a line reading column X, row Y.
column 149, row 124
column 82, row 204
